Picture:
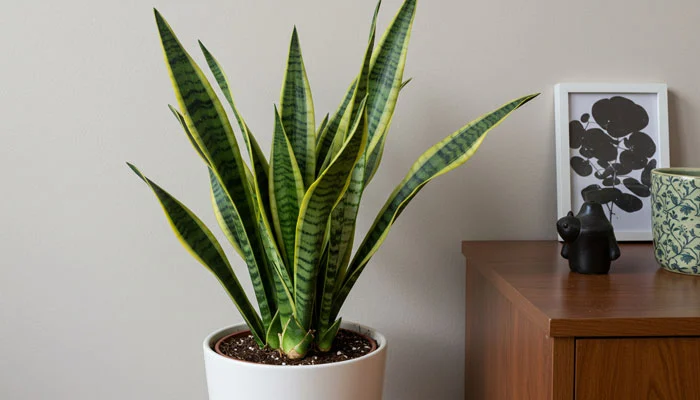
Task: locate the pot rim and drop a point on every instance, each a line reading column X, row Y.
column 211, row 340
column 681, row 172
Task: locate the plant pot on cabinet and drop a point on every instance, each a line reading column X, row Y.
column 358, row 378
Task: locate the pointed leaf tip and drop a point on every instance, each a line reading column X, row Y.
column 295, row 37
column 136, row 171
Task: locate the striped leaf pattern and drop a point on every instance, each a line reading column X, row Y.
column 344, row 214
column 325, row 140
column 297, row 110
column 207, row 122
column 448, row 154
column 183, row 124
column 313, row 218
column 286, row 190
column 340, row 240
column 363, row 79
column 321, row 127
column 257, row 157
column 204, row 247
column 293, row 220
column 283, row 283
column 386, row 75
column 231, row 223
column 374, row 157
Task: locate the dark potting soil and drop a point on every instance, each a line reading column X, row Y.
column 346, row 346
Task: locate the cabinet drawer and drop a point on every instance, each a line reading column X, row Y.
column 638, row 368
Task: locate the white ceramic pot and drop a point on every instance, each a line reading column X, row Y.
column 361, row 378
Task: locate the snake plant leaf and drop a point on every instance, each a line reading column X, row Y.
column 445, row 156
column 406, row 82
column 340, row 241
column 321, row 127
column 374, row 158
column 338, row 140
column 286, row 190
column 325, row 337
column 362, row 86
column 315, row 210
column 274, row 330
column 297, row 110
column 328, row 135
column 295, row 340
column 232, row 225
column 282, row 279
column 204, row 247
column 257, row 157
column 183, row 124
column 385, row 79
column 207, row 122
column 233, row 239
column 344, row 214
column 327, row 141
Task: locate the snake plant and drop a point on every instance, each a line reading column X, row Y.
column 291, row 217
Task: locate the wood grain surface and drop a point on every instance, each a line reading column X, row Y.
column 508, row 356
column 638, row 368
column 535, row 330
column 637, row 298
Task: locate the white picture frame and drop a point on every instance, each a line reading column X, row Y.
column 570, row 101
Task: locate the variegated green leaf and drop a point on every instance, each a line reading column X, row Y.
column 297, row 110
column 344, row 214
column 283, row 282
column 183, row 124
column 295, row 340
column 328, row 135
column 231, row 223
column 338, row 140
column 207, row 122
column 374, row 157
column 362, row 86
column 448, row 154
column 326, row 336
column 321, row 127
column 341, row 236
column 315, row 210
column 257, row 157
column 385, row 80
column 211, row 130
column 272, row 335
column 286, row 190
column 202, row 244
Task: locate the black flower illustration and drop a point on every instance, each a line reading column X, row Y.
column 611, row 147
column 619, row 116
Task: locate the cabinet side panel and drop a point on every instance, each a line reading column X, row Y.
column 638, row 368
column 563, row 362
column 508, row 356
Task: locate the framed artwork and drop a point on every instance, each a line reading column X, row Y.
column 608, row 139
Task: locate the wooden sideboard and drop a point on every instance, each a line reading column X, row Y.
column 537, row 331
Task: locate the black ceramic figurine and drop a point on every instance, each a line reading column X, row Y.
column 589, row 240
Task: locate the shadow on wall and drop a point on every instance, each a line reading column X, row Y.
column 674, row 117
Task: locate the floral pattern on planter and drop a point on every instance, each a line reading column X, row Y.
column 676, row 222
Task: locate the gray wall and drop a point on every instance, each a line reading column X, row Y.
column 97, row 298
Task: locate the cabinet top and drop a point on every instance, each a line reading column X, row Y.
column 637, row 298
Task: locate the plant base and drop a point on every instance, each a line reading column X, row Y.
column 359, row 378
column 347, row 345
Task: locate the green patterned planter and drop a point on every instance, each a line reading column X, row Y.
column 675, row 218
